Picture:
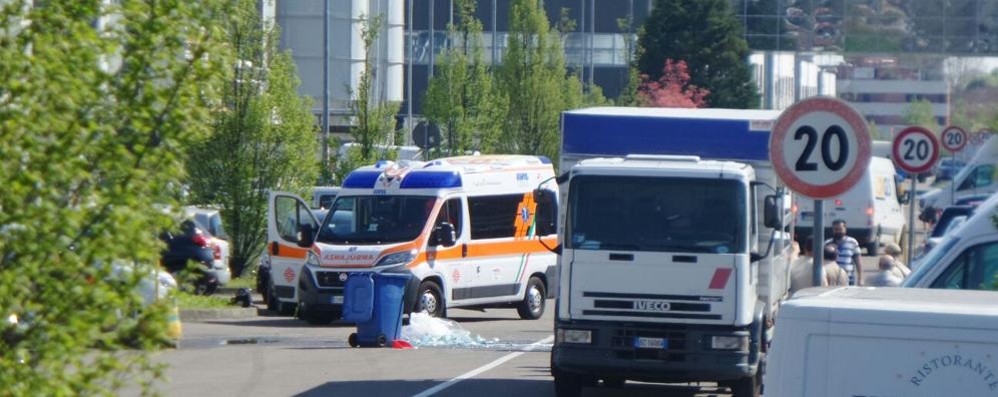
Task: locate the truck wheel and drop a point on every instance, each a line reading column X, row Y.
column 570, row 385
column 532, row 305
column 430, row 299
column 750, row 386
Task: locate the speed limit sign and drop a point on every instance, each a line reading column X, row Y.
column 820, row 147
column 915, row 149
column 954, row 138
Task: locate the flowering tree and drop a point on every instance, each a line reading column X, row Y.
column 673, row 89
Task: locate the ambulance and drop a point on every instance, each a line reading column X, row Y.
column 467, row 228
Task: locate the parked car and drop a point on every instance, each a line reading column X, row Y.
column 190, row 245
column 966, row 258
column 947, row 168
column 211, row 221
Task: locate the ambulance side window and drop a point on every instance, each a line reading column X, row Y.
column 493, row 216
column 450, row 212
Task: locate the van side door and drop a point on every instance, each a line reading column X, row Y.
column 286, row 213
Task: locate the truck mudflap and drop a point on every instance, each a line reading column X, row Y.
column 686, row 353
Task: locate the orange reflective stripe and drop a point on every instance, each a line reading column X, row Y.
column 485, row 249
column 289, row 251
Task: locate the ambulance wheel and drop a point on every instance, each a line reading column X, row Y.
column 430, row 299
column 532, row 306
column 352, row 340
column 273, row 304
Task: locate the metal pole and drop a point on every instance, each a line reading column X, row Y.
column 592, row 44
column 819, row 242
column 911, row 219
column 495, row 38
column 408, row 83
column 433, row 41
column 325, row 88
column 952, row 182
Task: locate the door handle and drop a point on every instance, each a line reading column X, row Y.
column 274, row 248
column 464, row 250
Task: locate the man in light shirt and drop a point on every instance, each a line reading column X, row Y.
column 801, row 276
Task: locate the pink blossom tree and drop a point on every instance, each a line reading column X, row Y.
column 673, row 89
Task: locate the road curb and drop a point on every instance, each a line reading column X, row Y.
column 217, row 314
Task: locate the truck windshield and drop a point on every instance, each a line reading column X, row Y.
column 657, row 214
column 374, row 220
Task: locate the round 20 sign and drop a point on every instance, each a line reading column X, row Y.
column 820, row 147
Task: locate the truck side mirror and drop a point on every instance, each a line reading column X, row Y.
column 444, row 235
column 772, row 216
column 306, row 235
column 543, row 195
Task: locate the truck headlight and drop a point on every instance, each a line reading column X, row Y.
column 728, row 343
column 312, row 259
column 582, row 336
column 397, row 258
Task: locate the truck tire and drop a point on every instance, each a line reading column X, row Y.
column 532, row 305
column 750, row 386
column 430, row 299
column 570, row 385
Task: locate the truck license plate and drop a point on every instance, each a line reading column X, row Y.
column 336, row 299
column 650, row 343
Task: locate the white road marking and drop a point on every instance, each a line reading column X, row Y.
column 475, row 372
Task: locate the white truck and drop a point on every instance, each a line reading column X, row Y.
column 674, row 247
column 852, row 341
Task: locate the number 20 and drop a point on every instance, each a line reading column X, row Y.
column 804, row 162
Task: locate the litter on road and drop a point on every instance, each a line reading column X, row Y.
column 424, row 330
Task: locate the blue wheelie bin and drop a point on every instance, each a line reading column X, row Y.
column 384, row 321
column 358, row 297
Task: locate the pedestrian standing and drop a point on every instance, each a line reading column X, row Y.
column 886, row 276
column 849, row 252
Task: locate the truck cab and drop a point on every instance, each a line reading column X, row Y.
column 675, row 248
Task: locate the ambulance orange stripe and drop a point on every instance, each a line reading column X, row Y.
column 287, row 251
column 485, row 249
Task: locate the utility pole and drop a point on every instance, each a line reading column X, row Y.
column 325, row 90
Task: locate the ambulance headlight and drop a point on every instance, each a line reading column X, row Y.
column 581, row 336
column 728, row 343
column 312, row 259
column 397, row 258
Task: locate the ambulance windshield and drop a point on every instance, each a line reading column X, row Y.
column 375, row 220
column 657, row 214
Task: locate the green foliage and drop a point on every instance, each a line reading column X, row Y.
column 534, row 81
column 374, row 128
column 705, row 34
column 264, row 136
column 920, row 113
column 462, row 98
column 190, row 301
column 766, row 28
column 94, row 124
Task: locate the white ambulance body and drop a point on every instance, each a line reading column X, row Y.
column 467, row 228
column 671, row 268
column 856, row 341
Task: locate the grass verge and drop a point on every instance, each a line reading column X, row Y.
column 190, row 301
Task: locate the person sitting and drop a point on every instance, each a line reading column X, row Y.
column 886, row 276
column 900, row 269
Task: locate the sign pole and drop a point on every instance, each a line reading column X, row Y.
column 819, row 242
column 911, row 220
column 952, row 180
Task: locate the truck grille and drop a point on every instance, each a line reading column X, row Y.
column 328, row 279
column 623, row 338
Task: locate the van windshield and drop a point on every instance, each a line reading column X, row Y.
column 657, row 214
column 375, row 220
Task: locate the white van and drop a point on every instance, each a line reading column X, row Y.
column 857, row 341
column 871, row 209
column 323, row 196
column 467, row 228
column 979, row 176
column 966, row 258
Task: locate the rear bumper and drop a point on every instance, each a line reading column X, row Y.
column 688, row 357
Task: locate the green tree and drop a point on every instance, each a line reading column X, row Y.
column 920, row 113
column 265, row 130
column 461, row 97
column 706, row 35
column 98, row 102
column 629, row 95
column 536, row 83
column 374, row 127
column 766, row 28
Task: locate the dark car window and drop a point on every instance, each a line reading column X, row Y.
column 976, row 268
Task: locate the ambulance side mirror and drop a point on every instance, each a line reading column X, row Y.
column 306, row 236
column 444, row 235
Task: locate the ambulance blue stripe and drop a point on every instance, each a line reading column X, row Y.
column 361, row 179
column 616, row 135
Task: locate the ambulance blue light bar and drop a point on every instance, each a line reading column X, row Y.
column 361, row 179
column 431, row 180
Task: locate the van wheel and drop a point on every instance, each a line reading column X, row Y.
column 430, row 299
column 532, row 306
column 750, row 386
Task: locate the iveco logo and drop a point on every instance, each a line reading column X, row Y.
column 343, row 277
column 657, row 306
